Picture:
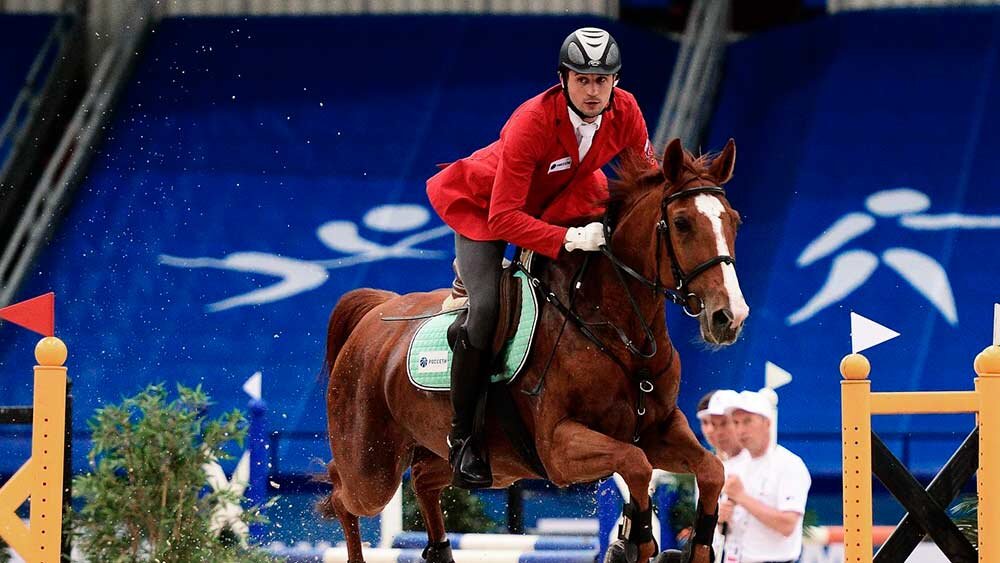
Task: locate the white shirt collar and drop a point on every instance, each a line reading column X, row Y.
column 577, row 121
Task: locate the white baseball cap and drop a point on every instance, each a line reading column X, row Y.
column 718, row 403
column 752, row 402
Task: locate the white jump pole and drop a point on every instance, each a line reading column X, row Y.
column 391, row 520
column 996, row 324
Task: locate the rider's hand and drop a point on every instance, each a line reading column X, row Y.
column 589, row 238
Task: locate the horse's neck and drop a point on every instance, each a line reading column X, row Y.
column 603, row 297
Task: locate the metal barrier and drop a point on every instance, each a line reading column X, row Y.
column 696, row 74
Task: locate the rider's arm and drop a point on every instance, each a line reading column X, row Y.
column 522, row 148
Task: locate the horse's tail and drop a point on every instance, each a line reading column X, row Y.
column 345, row 316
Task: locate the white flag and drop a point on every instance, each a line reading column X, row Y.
column 866, row 333
column 775, row 376
column 252, row 386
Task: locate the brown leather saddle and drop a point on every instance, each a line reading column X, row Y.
column 510, row 306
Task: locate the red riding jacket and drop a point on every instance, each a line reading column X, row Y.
column 526, row 187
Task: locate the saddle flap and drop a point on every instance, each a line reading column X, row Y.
column 510, row 309
column 430, row 350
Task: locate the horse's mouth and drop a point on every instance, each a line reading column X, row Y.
column 717, row 335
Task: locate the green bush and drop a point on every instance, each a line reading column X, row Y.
column 966, row 517
column 145, row 498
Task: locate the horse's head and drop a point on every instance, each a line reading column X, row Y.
column 681, row 227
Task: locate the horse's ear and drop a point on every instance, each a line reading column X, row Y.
column 673, row 161
column 722, row 165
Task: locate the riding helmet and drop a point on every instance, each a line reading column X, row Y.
column 590, row 50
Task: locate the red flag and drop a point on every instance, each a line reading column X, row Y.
column 37, row 314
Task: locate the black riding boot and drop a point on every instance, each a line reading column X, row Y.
column 469, row 375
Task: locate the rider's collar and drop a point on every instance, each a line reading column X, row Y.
column 577, row 121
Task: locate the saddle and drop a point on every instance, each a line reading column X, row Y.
column 510, row 306
column 430, row 351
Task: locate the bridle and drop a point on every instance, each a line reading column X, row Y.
column 680, row 294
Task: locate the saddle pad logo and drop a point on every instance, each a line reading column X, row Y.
column 561, row 164
column 433, row 362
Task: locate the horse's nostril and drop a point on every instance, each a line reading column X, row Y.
column 722, row 318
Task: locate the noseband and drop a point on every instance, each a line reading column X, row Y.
column 681, row 294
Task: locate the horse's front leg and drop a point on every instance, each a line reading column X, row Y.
column 673, row 447
column 578, row 454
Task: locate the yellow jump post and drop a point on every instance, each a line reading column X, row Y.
column 41, row 477
column 987, row 366
column 858, row 404
column 855, row 392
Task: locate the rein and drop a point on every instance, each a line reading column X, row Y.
column 679, row 295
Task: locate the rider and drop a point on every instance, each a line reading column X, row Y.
column 542, row 175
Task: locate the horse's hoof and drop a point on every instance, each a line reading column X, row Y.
column 438, row 553
column 669, row 556
column 621, row 551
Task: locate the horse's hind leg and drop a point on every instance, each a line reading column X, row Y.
column 431, row 474
column 675, row 448
column 332, row 506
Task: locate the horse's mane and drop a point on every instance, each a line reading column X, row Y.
column 635, row 177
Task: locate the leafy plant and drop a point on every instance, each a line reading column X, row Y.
column 145, row 498
column 683, row 511
column 966, row 513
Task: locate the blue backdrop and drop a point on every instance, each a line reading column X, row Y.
column 264, row 136
column 864, row 138
column 877, row 125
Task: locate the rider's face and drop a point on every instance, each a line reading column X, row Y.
column 590, row 93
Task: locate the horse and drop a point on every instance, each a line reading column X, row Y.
column 608, row 403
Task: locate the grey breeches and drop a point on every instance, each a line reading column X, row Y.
column 479, row 264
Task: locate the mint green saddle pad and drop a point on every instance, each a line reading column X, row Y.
column 429, row 356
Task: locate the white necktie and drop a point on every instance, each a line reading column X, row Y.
column 586, row 131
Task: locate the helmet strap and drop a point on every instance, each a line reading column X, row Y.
column 563, row 79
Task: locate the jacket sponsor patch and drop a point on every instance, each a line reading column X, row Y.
column 561, row 164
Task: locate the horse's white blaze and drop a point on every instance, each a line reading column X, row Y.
column 711, row 207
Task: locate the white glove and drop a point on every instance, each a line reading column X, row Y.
column 589, row 238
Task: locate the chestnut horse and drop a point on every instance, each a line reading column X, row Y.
column 609, row 393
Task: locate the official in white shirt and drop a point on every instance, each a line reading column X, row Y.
column 716, row 424
column 717, row 427
column 765, row 491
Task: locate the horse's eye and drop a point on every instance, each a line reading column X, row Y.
column 682, row 224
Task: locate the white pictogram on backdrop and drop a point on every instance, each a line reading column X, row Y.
column 297, row 275
column 851, row 268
